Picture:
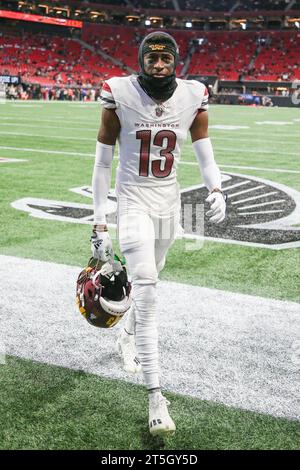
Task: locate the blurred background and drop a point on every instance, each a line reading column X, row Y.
column 246, row 52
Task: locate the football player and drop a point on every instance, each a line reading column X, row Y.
column 150, row 115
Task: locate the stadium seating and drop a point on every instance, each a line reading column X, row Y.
column 280, row 59
column 225, row 54
column 108, row 2
column 122, row 42
column 206, row 5
column 229, row 55
column 52, row 60
column 257, row 5
column 154, row 4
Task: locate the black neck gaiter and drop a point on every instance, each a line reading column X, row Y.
column 160, row 89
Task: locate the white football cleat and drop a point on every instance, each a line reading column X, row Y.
column 127, row 351
column 160, row 422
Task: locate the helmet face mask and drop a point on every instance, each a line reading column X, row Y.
column 103, row 293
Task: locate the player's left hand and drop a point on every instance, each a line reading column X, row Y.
column 101, row 246
column 217, row 207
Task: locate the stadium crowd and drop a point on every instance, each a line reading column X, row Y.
column 53, row 61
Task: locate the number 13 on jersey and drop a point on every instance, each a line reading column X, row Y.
column 166, row 152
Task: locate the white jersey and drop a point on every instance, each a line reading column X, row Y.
column 151, row 134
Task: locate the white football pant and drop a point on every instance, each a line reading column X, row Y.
column 144, row 240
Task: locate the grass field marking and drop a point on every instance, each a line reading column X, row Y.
column 51, row 209
column 288, row 222
column 39, row 120
column 240, row 201
column 256, row 168
column 12, row 160
column 58, row 102
column 80, row 154
column 242, row 343
column 260, row 132
column 285, row 223
column 227, row 127
column 28, row 106
column 274, row 123
column 246, row 191
column 262, row 212
column 34, row 126
column 63, row 137
column 258, row 152
column 56, row 152
column 238, row 139
column 261, row 204
column 283, row 246
column 26, row 203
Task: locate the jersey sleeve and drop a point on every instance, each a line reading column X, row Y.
column 106, row 97
column 204, row 103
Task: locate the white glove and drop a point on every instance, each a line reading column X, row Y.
column 101, row 246
column 217, row 207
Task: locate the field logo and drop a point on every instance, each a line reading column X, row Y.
column 260, row 213
column 67, row 211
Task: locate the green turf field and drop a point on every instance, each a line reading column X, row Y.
column 72, row 128
column 58, row 141
column 59, row 409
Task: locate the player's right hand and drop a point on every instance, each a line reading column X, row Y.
column 101, row 246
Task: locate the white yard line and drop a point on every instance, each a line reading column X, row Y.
column 257, row 168
column 241, row 167
column 39, row 120
column 22, row 149
column 236, row 349
column 256, row 151
column 261, row 140
column 82, row 104
column 61, row 127
column 57, row 152
column 63, row 137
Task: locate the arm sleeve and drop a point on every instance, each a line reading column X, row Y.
column 101, row 180
column 209, row 169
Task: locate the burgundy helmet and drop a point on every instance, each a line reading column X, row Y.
column 103, row 292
